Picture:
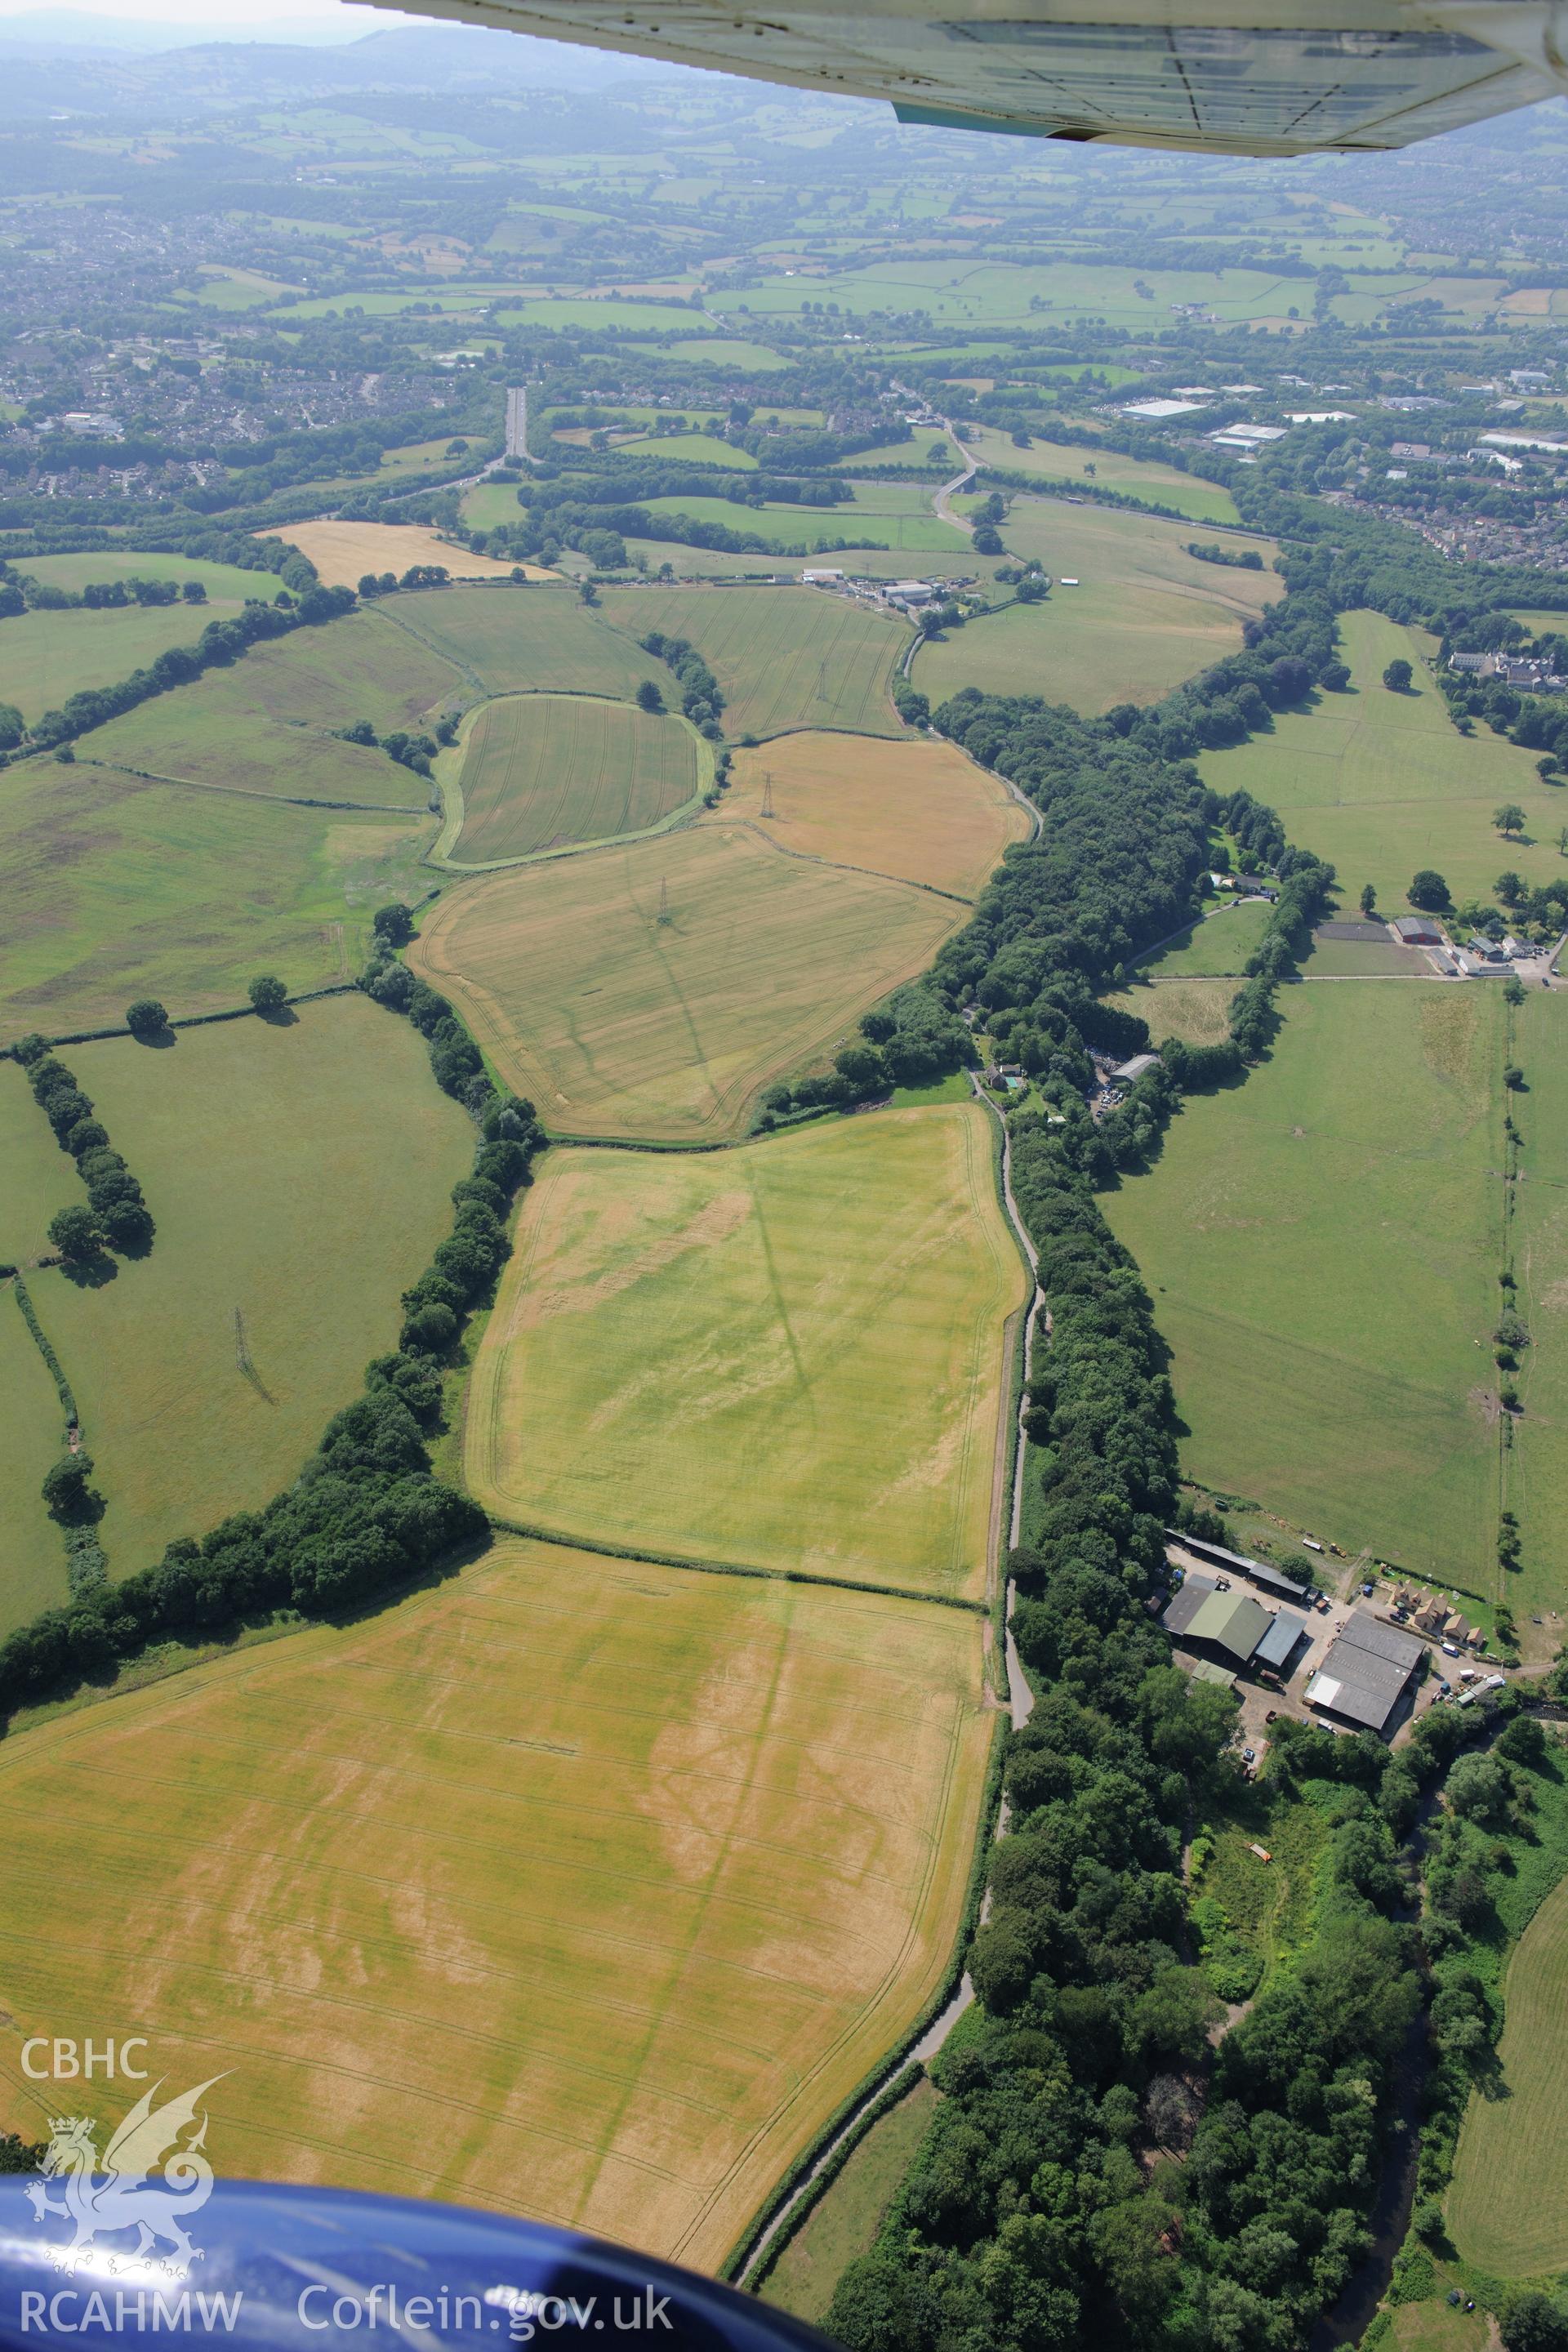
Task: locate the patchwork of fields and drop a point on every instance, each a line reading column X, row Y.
column 788, row 1356
column 652, row 991
column 1107, row 470
column 738, row 1817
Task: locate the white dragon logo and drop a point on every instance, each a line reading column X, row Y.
column 123, row 2197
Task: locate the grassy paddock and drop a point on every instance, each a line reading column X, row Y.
column 541, row 771
column 1537, row 1466
column 521, row 641
column 788, row 1356
column 1505, row 2212
column 844, row 2225
column 36, row 1178
column 1144, row 615
column 1381, row 784
column 46, row 657
column 231, row 582
column 1322, row 1247
column 1135, row 478
column 783, row 657
column 917, row 810
column 297, row 1172
column 1196, row 1010
column 33, row 1561
column 1221, row 945
column 739, row 1819
column 117, row 888
column 619, row 1024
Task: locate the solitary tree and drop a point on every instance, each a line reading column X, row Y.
column 64, row 1488
column 1509, row 887
column 649, row 697
column 1513, row 989
column 75, row 1234
column 146, row 1017
column 1397, row 675
column 1429, row 891
column 1509, row 819
column 1368, row 898
column 267, row 992
column 393, row 925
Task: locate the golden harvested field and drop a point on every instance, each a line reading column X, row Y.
column 297, row 1172
column 519, row 641
column 621, row 1025
column 783, row 657
column 788, row 1356
column 541, row 771
column 917, row 810
column 573, row 1887
column 342, row 552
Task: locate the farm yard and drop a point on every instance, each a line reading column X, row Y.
column 298, row 1173
column 541, row 771
column 1381, row 784
column 783, row 657
column 741, row 1816
column 919, row 811
column 652, row 991
column 1321, row 1245
column 788, row 1356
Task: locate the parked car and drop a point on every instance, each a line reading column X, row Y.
column 1368, row 1590
column 1272, row 1716
column 1452, row 1650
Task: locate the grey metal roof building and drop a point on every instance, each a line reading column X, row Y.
column 1280, row 1643
column 1366, row 1672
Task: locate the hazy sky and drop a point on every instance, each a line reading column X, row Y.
column 284, row 13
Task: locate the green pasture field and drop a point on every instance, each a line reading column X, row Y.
column 1366, row 960
column 641, row 318
column 44, row 656
column 297, row 1171
column 234, row 289
column 1164, row 486
column 783, row 657
column 730, row 351
column 621, row 1025
column 1383, row 784
column 874, row 515
column 541, row 771
column 489, row 506
column 1539, row 624
column 1322, row 1245
column 1505, row 2210
column 844, row 2223
column 788, row 1356
column 230, row 580
column 1144, row 615
column 1220, row 944
column 506, row 640
column 1002, row 294
column 413, row 457
column 739, row 1817
column 1197, row 1011
column 117, row 888
column 33, row 1561
column 36, row 1178
column 1536, row 1468
column 692, row 449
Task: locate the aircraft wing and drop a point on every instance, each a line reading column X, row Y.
column 1222, row 76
